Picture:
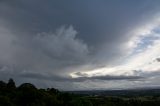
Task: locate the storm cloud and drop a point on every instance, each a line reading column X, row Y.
column 53, row 43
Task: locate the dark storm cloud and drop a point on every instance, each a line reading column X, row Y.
column 58, row 36
column 109, row 77
column 94, row 20
column 79, row 79
column 49, row 52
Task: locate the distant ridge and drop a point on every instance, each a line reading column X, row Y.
column 132, row 92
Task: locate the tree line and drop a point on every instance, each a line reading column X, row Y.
column 28, row 95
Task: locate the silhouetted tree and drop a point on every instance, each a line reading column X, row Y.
column 5, row 101
column 2, row 85
column 28, row 95
column 27, row 86
column 11, row 84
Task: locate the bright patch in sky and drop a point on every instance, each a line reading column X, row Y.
column 144, row 52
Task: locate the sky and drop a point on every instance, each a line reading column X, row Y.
column 81, row 44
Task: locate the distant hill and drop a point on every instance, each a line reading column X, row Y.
column 128, row 92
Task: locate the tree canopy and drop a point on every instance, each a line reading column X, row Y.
column 28, row 95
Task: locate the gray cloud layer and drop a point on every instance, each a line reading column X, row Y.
column 45, row 52
column 55, row 37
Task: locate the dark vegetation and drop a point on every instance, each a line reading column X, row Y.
column 28, row 95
